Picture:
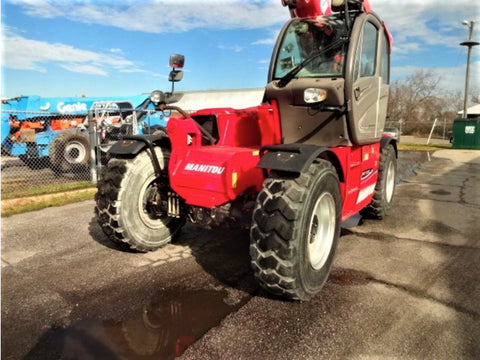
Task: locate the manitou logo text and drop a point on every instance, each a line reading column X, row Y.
column 207, row 169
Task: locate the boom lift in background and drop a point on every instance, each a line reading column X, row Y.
column 54, row 131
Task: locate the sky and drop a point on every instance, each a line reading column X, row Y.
column 110, row 48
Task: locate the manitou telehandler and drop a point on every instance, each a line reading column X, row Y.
column 290, row 169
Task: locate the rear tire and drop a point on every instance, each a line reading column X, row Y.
column 121, row 203
column 70, row 151
column 382, row 200
column 295, row 231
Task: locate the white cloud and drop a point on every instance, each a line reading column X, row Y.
column 84, row 69
column 414, row 23
column 269, row 41
column 26, row 54
column 116, row 51
column 162, row 16
column 429, row 22
column 234, row 48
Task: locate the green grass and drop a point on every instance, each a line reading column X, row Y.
column 13, row 192
column 422, row 147
column 25, row 204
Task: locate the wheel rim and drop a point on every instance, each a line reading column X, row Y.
column 390, row 182
column 321, row 231
column 149, row 218
column 75, row 152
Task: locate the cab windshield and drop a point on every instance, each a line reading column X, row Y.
column 305, row 38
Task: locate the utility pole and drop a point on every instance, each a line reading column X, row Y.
column 469, row 43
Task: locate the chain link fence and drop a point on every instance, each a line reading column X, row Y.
column 36, row 149
column 42, row 151
column 439, row 129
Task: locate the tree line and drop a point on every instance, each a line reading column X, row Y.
column 416, row 102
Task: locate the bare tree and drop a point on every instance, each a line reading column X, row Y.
column 413, row 101
column 475, row 95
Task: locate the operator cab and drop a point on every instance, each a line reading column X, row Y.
column 329, row 76
column 323, row 41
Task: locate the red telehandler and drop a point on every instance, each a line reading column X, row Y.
column 291, row 169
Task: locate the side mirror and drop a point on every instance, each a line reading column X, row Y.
column 177, row 61
column 175, row 75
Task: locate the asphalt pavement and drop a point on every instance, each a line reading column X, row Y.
column 407, row 287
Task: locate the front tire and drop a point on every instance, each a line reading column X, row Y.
column 124, row 205
column 295, row 231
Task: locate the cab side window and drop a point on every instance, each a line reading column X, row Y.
column 366, row 53
column 385, row 61
column 369, row 50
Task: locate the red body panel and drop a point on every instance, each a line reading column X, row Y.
column 360, row 168
column 212, row 175
column 308, row 8
column 314, row 8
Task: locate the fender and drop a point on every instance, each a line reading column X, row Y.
column 387, row 140
column 291, row 157
column 132, row 145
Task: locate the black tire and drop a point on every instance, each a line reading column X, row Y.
column 70, row 151
column 382, row 200
column 121, row 208
column 5, row 151
column 156, row 130
column 34, row 163
column 295, row 231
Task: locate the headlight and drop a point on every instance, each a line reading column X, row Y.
column 314, row 95
column 157, row 97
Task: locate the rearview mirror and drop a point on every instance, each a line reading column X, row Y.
column 175, row 75
column 177, row 61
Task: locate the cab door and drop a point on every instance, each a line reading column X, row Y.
column 367, row 80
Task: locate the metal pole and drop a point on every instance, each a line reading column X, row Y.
column 92, row 132
column 444, row 126
column 431, row 131
column 470, row 43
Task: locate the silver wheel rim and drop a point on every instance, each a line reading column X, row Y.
column 75, row 152
column 390, row 182
column 145, row 216
column 321, row 231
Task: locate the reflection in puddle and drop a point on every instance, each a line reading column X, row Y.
column 163, row 329
column 352, row 221
column 340, row 276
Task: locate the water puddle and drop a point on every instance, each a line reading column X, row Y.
column 162, row 330
column 340, row 276
column 409, row 161
column 440, row 192
column 407, row 164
